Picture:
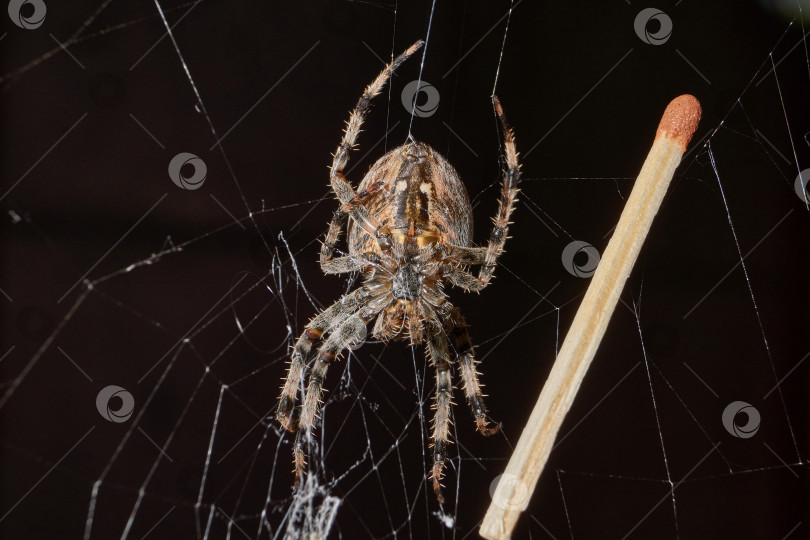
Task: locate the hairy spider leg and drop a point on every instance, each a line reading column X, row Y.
column 331, row 317
column 488, row 257
column 351, row 331
column 341, row 265
column 509, row 191
column 443, row 399
column 440, row 358
column 342, row 187
column 471, row 383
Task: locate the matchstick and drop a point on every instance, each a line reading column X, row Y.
column 517, row 484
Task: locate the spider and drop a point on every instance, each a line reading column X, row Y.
column 409, row 227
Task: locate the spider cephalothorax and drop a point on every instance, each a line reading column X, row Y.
column 408, row 293
column 409, row 230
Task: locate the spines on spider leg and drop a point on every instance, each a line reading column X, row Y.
column 334, row 314
column 471, row 383
column 338, row 221
column 332, row 236
column 377, row 85
column 286, row 403
column 509, row 138
column 509, row 191
column 299, row 458
column 440, row 437
column 441, row 426
column 500, row 227
column 349, row 332
column 310, row 408
column 338, row 312
column 357, row 115
column 312, row 404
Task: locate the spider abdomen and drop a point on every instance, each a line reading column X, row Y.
column 414, row 192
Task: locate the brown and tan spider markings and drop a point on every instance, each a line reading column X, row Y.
column 409, row 230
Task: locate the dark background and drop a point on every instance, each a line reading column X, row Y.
column 574, row 76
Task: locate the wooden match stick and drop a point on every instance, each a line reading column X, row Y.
column 517, row 484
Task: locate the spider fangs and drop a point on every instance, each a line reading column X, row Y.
column 409, row 229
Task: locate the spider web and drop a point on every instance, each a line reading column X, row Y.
column 188, row 299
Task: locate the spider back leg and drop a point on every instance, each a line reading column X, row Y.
column 440, row 437
column 469, row 374
column 351, row 331
column 334, row 315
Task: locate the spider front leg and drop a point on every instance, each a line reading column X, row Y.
column 342, row 187
column 331, row 317
column 437, row 351
column 351, row 331
column 469, row 374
